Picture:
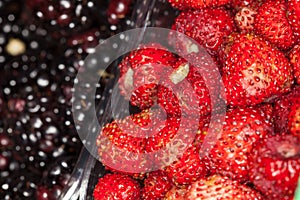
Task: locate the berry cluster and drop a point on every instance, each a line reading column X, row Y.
column 42, row 45
column 255, row 152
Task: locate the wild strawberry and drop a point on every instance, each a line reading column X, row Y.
column 253, row 71
column 294, row 57
column 117, row 186
column 244, row 19
column 203, row 128
column 164, row 133
column 294, row 119
column 172, row 143
column 272, row 24
column 223, row 188
column 188, row 168
column 141, row 71
column 196, row 4
column 294, row 16
column 156, row 185
column 275, row 166
column 186, row 90
column 286, row 113
column 241, row 129
column 208, row 27
column 174, row 84
column 120, row 140
column 238, row 4
column 176, row 193
column 143, row 142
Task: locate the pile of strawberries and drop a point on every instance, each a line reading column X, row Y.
column 254, row 153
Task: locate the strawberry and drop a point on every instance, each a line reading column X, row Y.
column 241, row 129
column 164, row 150
column 208, row 27
column 188, row 168
column 293, row 7
column 176, row 193
column 117, row 186
column 123, row 144
column 238, row 4
column 271, row 23
column 121, row 139
column 143, row 142
column 196, row 4
column 244, row 19
column 286, row 113
column 275, row 166
column 156, row 185
column 294, row 56
column 164, row 134
column 294, row 119
column 253, row 71
column 179, row 88
column 221, row 188
column 141, row 71
column 187, row 90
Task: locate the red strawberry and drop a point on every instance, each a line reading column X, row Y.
column 244, row 19
column 275, row 166
column 156, row 185
column 294, row 119
column 208, row 27
column 141, row 70
column 121, row 139
column 241, row 129
column 117, row 186
column 187, row 90
column 141, row 142
column 294, row 16
column 238, row 4
column 166, row 131
column 286, row 112
column 172, row 144
column 253, row 71
column 221, row 188
column 176, row 194
column 174, row 84
column 122, row 144
column 196, row 4
column 188, row 168
column 294, row 57
column 271, row 23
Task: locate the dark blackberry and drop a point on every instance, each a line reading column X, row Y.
column 20, row 185
column 66, row 17
column 11, row 10
column 55, row 178
column 117, row 10
column 35, row 116
column 18, row 38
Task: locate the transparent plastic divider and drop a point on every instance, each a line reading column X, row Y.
column 78, row 185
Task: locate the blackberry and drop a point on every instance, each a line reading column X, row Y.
column 11, row 10
column 55, row 178
column 18, row 38
column 35, row 115
column 118, row 9
column 66, row 17
column 20, row 185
